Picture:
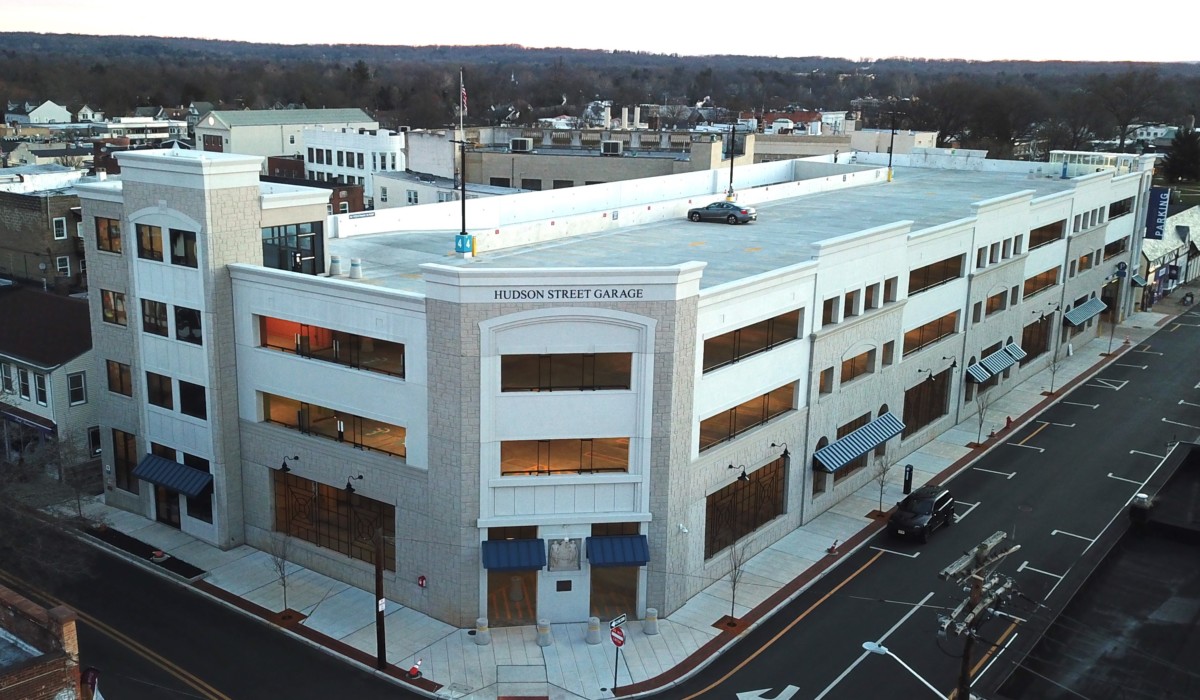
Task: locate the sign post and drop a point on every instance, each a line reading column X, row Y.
column 617, row 622
column 618, row 640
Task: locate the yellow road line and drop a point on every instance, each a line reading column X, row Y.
column 983, row 660
column 785, row 630
column 133, row 645
column 1030, row 436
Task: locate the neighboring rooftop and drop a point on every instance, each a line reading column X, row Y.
column 29, row 316
column 785, row 234
column 268, row 117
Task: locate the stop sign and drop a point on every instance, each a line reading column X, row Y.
column 618, row 636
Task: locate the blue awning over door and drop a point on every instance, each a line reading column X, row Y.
column 838, row 454
column 172, row 475
column 514, row 555
column 997, row 362
column 1016, row 351
column 978, row 373
column 618, row 550
column 1088, row 309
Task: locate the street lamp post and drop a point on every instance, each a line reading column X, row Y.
column 463, row 244
column 729, row 194
column 892, row 143
column 876, row 648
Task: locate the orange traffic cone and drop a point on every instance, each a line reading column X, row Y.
column 415, row 671
column 833, row 547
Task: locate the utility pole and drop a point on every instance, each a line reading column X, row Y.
column 986, row 591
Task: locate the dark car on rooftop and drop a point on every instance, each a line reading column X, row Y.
column 729, row 212
column 921, row 512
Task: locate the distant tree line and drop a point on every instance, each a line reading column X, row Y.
column 992, row 105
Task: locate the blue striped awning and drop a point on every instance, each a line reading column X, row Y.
column 1138, row 281
column 514, row 555
column 1085, row 311
column 997, row 362
column 979, row 373
column 1015, row 350
column 172, row 475
column 841, row 452
column 618, row 550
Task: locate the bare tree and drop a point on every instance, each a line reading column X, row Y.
column 1055, row 363
column 1127, row 97
column 280, row 548
column 881, row 476
column 738, row 556
column 75, row 162
column 982, row 400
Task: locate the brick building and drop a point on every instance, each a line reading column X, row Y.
column 39, row 650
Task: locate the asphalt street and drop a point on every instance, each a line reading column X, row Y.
column 154, row 638
column 1053, row 485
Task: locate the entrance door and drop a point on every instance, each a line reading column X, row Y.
column 166, row 506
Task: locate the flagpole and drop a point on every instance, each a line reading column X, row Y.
column 462, row 102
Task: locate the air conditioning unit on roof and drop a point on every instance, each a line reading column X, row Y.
column 520, row 145
column 610, row 148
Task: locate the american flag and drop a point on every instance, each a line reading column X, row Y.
column 463, row 92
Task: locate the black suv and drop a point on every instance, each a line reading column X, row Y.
column 921, row 512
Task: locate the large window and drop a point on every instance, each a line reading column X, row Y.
column 108, row 235
column 311, row 419
column 551, row 457
column 330, row 517
column 863, row 363
column 1049, row 233
column 158, row 391
column 192, row 401
column 926, row 402
column 1112, row 250
column 1041, row 281
column 23, row 389
column 728, row 424
column 930, row 333
column 187, row 325
column 6, row 376
column 200, row 507
column 936, row 274
column 1035, row 338
column 150, row 243
column 77, row 388
column 119, row 381
column 183, row 248
column 1120, row 208
column 566, row 372
column 154, row 317
column 996, row 303
column 39, row 386
column 113, row 307
column 730, row 347
column 318, row 343
column 295, row 247
column 125, row 459
column 744, row 506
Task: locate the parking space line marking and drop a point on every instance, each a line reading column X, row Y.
column 1061, row 425
column 1193, row 427
column 914, row 555
column 1145, row 349
column 1072, row 534
column 1006, row 475
column 1187, row 403
column 959, row 516
column 1025, row 566
column 1120, row 364
column 1028, row 447
column 998, row 650
column 1121, row 478
column 1094, row 406
column 1148, row 454
column 1114, row 384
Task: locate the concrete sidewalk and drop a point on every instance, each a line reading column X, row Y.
column 338, row 617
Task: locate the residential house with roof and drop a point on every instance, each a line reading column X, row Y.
column 86, row 113
column 49, row 388
column 196, row 110
column 1172, row 260
column 32, row 112
column 272, row 132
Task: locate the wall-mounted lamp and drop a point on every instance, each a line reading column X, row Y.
column 930, row 377
column 284, row 467
column 349, row 487
column 953, row 361
column 683, row 528
column 785, row 454
column 743, row 476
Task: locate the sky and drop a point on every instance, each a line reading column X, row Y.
column 1036, row 30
